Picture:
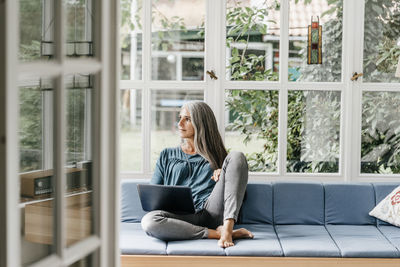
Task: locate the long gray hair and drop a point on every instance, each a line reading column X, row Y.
column 207, row 140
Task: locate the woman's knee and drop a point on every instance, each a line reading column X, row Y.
column 151, row 221
column 238, row 157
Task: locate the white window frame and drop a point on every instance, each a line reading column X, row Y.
column 103, row 244
column 215, row 58
column 357, row 88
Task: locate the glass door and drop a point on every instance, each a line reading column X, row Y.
column 60, row 141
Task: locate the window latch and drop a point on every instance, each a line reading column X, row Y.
column 212, row 75
column 356, row 76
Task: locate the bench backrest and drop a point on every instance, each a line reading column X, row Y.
column 289, row 202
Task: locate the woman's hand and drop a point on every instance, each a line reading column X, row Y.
column 216, row 175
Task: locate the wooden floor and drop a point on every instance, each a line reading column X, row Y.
column 212, row 261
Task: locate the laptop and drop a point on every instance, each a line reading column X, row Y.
column 175, row 199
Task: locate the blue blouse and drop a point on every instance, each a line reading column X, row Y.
column 174, row 167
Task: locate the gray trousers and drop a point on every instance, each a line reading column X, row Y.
column 223, row 203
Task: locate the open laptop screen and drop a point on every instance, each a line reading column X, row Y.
column 176, row 199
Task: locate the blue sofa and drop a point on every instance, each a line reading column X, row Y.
column 319, row 223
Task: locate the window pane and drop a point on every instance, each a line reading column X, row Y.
column 177, row 33
column 30, row 129
column 251, row 121
column 165, row 108
column 131, row 39
column 36, row 26
column 131, row 134
column 78, row 165
column 330, row 18
column 313, row 131
column 381, row 41
column 380, row 133
column 252, row 40
column 79, row 19
column 36, row 168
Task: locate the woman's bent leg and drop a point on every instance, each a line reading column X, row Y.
column 168, row 226
column 225, row 201
column 227, row 196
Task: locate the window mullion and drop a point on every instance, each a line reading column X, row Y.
column 283, row 92
column 211, row 56
column 59, row 123
column 346, row 164
column 221, row 50
column 146, row 101
column 357, row 31
column 88, row 125
column 47, row 130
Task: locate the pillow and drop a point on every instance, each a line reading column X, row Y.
column 388, row 209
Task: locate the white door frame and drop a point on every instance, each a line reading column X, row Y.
column 103, row 244
column 9, row 215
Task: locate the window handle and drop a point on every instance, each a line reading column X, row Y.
column 212, row 75
column 356, row 76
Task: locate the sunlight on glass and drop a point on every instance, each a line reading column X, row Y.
column 313, row 136
column 79, row 153
column 251, row 120
column 35, row 168
column 131, row 39
column 131, row 133
column 330, row 16
column 252, row 40
column 381, row 41
column 380, row 133
column 177, row 40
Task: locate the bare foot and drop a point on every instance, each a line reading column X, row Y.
column 242, row 233
column 225, row 239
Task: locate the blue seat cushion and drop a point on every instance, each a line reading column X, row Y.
column 298, row 203
column 134, row 241
column 392, row 233
column 131, row 208
column 199, row 247
column 264, row 244
column 257, row 205
column 306, row 241
column 381, row 191
column 349, row 203
column 361, row 241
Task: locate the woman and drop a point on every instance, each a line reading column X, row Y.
column 218, row 182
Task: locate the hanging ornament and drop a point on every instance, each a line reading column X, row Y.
column 314, row 49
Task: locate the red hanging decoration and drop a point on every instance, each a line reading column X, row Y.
column 314, row 49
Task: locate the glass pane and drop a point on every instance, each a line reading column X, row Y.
column 381, row 41
column 165, row 108
column 251, row 120
column 131, row 130
column 178, row 36
column 131, row 39
column 380, row 133
column 252, row 40
column 85, row 262
column 331, row 19
column 78, row 156
column 79, row 36
column 313, row 143
column 36, row 168
column 36, row 29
